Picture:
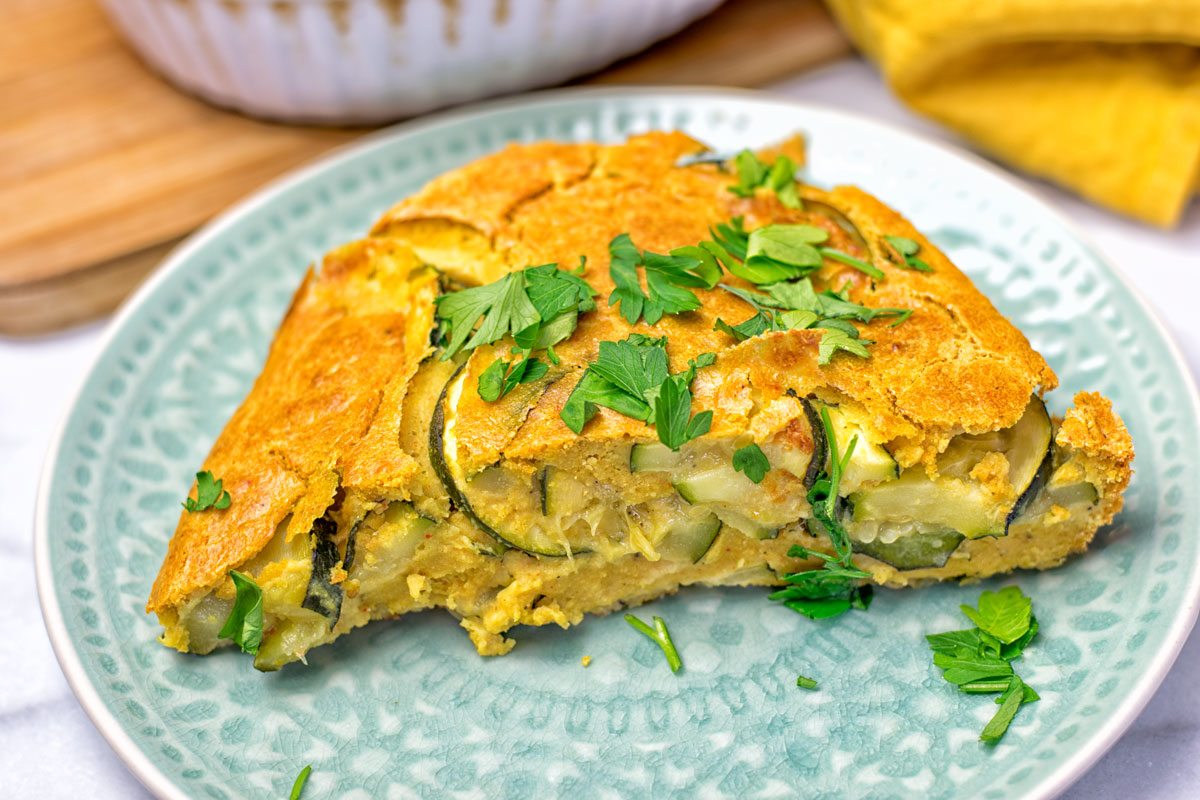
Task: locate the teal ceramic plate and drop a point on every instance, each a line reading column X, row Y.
column 407, row 709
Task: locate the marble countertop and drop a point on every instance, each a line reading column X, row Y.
column 49, row 749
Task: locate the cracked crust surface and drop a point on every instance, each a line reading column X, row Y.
column 956, row 365
column 336, row 421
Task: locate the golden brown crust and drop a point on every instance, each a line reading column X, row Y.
column 322, row 415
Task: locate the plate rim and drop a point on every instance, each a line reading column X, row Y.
column 160, row 785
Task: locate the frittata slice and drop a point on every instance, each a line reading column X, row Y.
column 370, row 477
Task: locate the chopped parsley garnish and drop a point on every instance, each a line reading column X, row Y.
column 538, row 306
column 754, row 174
column 908, row 249
column 667, row 278
column 632, row 377
column 795, row 305
column 860, row 265
column 660, row 636
column 298, row 786
column 501, row 376
column 834, row 588
column 209, row 494
column 806, row 683
column 773, row 253
column 245, row 622
column 979, row 660
column 752, row 462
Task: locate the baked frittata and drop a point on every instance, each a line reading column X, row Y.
column 503, row 403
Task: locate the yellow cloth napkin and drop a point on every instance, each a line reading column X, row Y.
column 1100, row 95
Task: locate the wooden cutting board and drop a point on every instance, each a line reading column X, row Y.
column 104, row 167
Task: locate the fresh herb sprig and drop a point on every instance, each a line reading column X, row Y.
column 979, row 660
column 796, row 305
column 752, row 462
column 908, row 249
column 773, row 253
column 209, row 494
column 660, row 636
column 754, row 174
column 537, row 306
column 245, row 622
column 834, row 588
column 632, row 377
column 669, row 279
column 501, row 376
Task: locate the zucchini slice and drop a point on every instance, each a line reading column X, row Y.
column 501, row 502
column 653, row 457
column 915, row 551
column 869, row 463
column 691, row 538
column 730, row 495
column 958, row 505
column 1082, row 493
column 955, row 501
column 721, row 484
column 385, row 542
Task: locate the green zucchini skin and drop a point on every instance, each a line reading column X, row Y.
column 437, row 457
column 1033, row 489
column 820, row 452
column 323, row 595
column 1041, row 476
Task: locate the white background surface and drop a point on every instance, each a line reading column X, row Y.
column 48, row 748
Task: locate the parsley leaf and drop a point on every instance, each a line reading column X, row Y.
column 751, row 461
column 537, row 306
column 1012, row 699
column 806, row 683
column 673, row 413
column 965, row 666
column 754, row 174
column 499, row 308
column 779, row 253
column 1005, row 615
column 973, row 640
column 835, row 587
column 857, row 263
column 298, row 786
column 245, row 622
column 667, row 279
column 553, row 291
column 660, row 636
column 209, row 494
column 835, row 340
column 632, row 378
column 806, row 308
column 908, row 249
column 979, row 660
column 501, row 377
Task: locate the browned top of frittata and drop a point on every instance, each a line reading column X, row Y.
column 321, row 425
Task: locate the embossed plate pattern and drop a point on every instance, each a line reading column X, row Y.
column 406, row 709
